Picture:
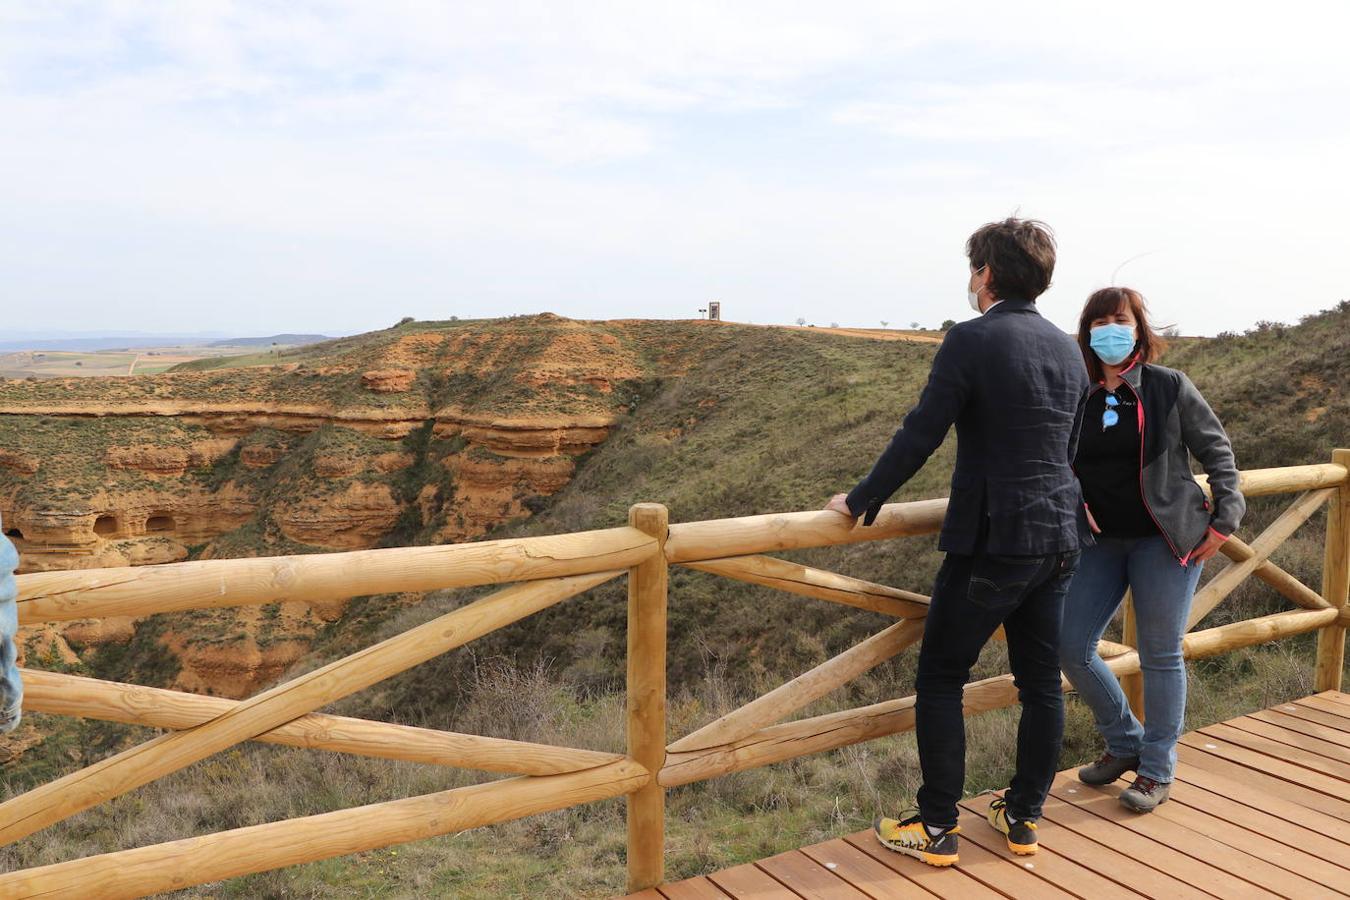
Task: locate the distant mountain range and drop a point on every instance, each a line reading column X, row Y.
column 132, row 340
column 286, row 340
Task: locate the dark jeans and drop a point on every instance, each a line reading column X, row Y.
column 972, row 597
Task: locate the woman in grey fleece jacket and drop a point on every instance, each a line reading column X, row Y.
column 1140, row 424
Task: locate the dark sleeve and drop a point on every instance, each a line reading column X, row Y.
column 922, row 430
column 1205, row 438
column 1078, row 422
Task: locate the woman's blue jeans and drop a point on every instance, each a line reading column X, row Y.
column 1162, row 590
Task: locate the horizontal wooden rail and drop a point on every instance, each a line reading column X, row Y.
column 257, row 848
column 819, row 584
column 114, row 776
column 1223, row 638
column 718, row 538
column 1111, row 648
column 1285, row 479
column 110, row 701
column 552, row 568
column 144, row 590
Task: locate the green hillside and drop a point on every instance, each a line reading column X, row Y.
column 730, row 421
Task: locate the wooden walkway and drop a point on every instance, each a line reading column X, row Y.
column 1260, row 808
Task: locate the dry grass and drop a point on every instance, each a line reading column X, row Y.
column 580, row 852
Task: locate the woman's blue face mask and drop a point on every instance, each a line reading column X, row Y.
column 1112, row 343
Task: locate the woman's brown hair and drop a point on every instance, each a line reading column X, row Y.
column 1106, row 303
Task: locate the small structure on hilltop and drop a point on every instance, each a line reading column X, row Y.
column 714, row 310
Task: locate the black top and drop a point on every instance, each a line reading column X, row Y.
column 1108, row 467
column 1010, row 381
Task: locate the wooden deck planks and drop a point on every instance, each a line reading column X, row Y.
column 1077, row 865
column 1315, row 855
column 864, row 872
column 807, row 879
column 953, row 882
column 691, row 889
column 751, row 883
column 1260, row 808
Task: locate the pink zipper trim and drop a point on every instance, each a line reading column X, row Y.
column 1139, row 404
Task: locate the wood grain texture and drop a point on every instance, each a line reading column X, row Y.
column 205, row 584
column 74, row 695
column 805, row 581
column 49, row 803
column 819, row 733
column 1335, row 585
column 805, row 688
column 719, row 538
column 229, row 854
column 1287, row 479
column 1221, row 585
column 646, row 711
column 1282, row 582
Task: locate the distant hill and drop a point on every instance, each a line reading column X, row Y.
column 89, row 343
column 105, row 342
column 431, row 432
column 285, row 340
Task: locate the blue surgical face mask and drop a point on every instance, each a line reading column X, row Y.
column 1112, row 343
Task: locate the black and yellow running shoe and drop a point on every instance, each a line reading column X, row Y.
column 911, row 837
column 1021, row 834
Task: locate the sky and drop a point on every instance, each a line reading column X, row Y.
column 258, row 167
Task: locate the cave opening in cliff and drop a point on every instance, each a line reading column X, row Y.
column 105, row 525
column 14, row 533
column 160, row 524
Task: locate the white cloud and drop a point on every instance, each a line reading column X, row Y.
column 301, row 161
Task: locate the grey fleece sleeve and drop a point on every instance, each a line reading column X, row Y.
column 1208, row 442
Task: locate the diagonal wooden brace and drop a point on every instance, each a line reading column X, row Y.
column 112, row 777
column 73, row 695
column 1214, row 593
column 805, row 688
column 805, row 581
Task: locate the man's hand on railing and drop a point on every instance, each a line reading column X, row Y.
column 839, row 503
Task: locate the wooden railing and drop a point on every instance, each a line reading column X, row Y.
column 547, row 571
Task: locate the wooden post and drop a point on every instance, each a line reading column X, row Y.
column 1335, row 582
column 647, row 700
column 1132, row 684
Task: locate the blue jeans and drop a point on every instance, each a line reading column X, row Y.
column 11, row 689
column 1162, row 590
column 972, row 597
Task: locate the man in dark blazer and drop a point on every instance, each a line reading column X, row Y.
column 1010, row 381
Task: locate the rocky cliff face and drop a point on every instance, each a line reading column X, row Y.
column 424, row 433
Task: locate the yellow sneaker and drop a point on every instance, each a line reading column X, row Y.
column 1021, row 835
column 909, row 836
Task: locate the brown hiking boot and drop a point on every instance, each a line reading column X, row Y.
column 1145, row 795
column 1107, row 769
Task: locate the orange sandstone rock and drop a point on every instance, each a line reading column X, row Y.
column 388, row 381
